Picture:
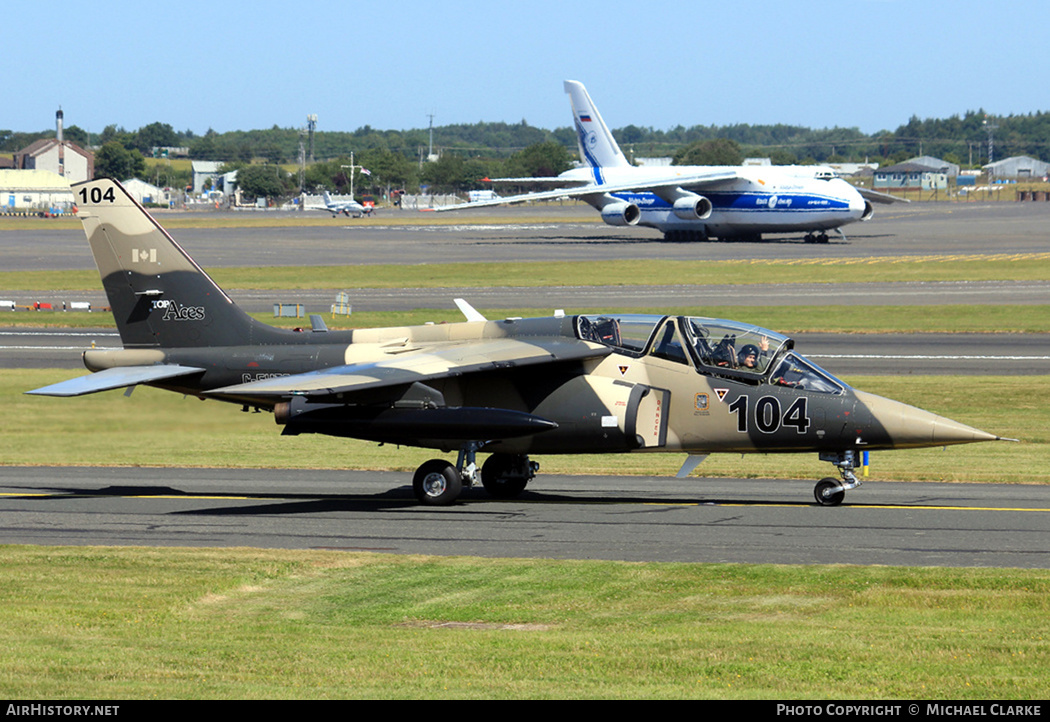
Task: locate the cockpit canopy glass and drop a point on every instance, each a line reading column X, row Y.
column 715, row 346
column 628, row 332
column 799, row 373
column 715, row 343
column 722, row 344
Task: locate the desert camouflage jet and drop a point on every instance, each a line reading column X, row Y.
column 591, row 383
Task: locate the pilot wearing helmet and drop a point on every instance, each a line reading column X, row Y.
column 753, row 358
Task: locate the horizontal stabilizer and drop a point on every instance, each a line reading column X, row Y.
column 115, row 378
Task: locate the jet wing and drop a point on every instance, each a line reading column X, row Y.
column 420, row 365
column 696, row 182
column 115, row 378
column 876, row 197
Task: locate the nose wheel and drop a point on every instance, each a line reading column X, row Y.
column 831, row 491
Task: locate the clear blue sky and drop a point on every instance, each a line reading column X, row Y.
column 869, row 64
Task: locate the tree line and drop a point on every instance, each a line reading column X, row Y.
column 470, row 152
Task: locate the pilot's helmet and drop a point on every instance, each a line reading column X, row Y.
column 748, row 350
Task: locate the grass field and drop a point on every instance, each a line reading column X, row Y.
column 104, row 623
column 540, row 274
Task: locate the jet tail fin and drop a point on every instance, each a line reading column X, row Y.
column 159, row 295
column 597, row 146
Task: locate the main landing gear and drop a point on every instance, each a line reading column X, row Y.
column 830, row 491
column 822, row 236
column 504, row 476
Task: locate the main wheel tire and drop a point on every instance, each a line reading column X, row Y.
column 437, row 483
column 822, row 492
column 499, row 477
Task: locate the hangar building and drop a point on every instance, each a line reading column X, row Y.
column 1019, row 166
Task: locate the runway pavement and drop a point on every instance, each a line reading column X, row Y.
column 577, row 517
column 558, row 233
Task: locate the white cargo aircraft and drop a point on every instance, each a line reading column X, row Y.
column 697, row 202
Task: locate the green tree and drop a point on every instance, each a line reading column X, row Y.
column 112, row 133
column 452, row 172
column 206, row 147
column 263, row 181
column 541, row 160
column 720, row 151
column 385, row 169
column 115, row 161
column 780, row 156
column 155, row 135
column 76, row 134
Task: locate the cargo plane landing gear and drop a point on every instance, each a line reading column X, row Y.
column 830, row 491
column 504, row 476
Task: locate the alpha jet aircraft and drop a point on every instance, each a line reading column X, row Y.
column 590, row 383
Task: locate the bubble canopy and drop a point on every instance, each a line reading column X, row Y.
column 712, row 345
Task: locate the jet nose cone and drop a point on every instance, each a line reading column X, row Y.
column 904, row 426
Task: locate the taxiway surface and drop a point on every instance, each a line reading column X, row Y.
column 558, row 233
column 568, row 517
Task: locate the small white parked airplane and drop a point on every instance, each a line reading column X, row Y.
column 697, row 202
column 347, row 208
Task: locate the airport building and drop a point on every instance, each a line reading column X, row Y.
column 952, row 169
column 1020, row 167
column 203, row 171
column 57, row 155
column 146, row 193
column 911, row 175
column 34, row 190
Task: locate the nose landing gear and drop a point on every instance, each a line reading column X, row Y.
column 830, row 491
